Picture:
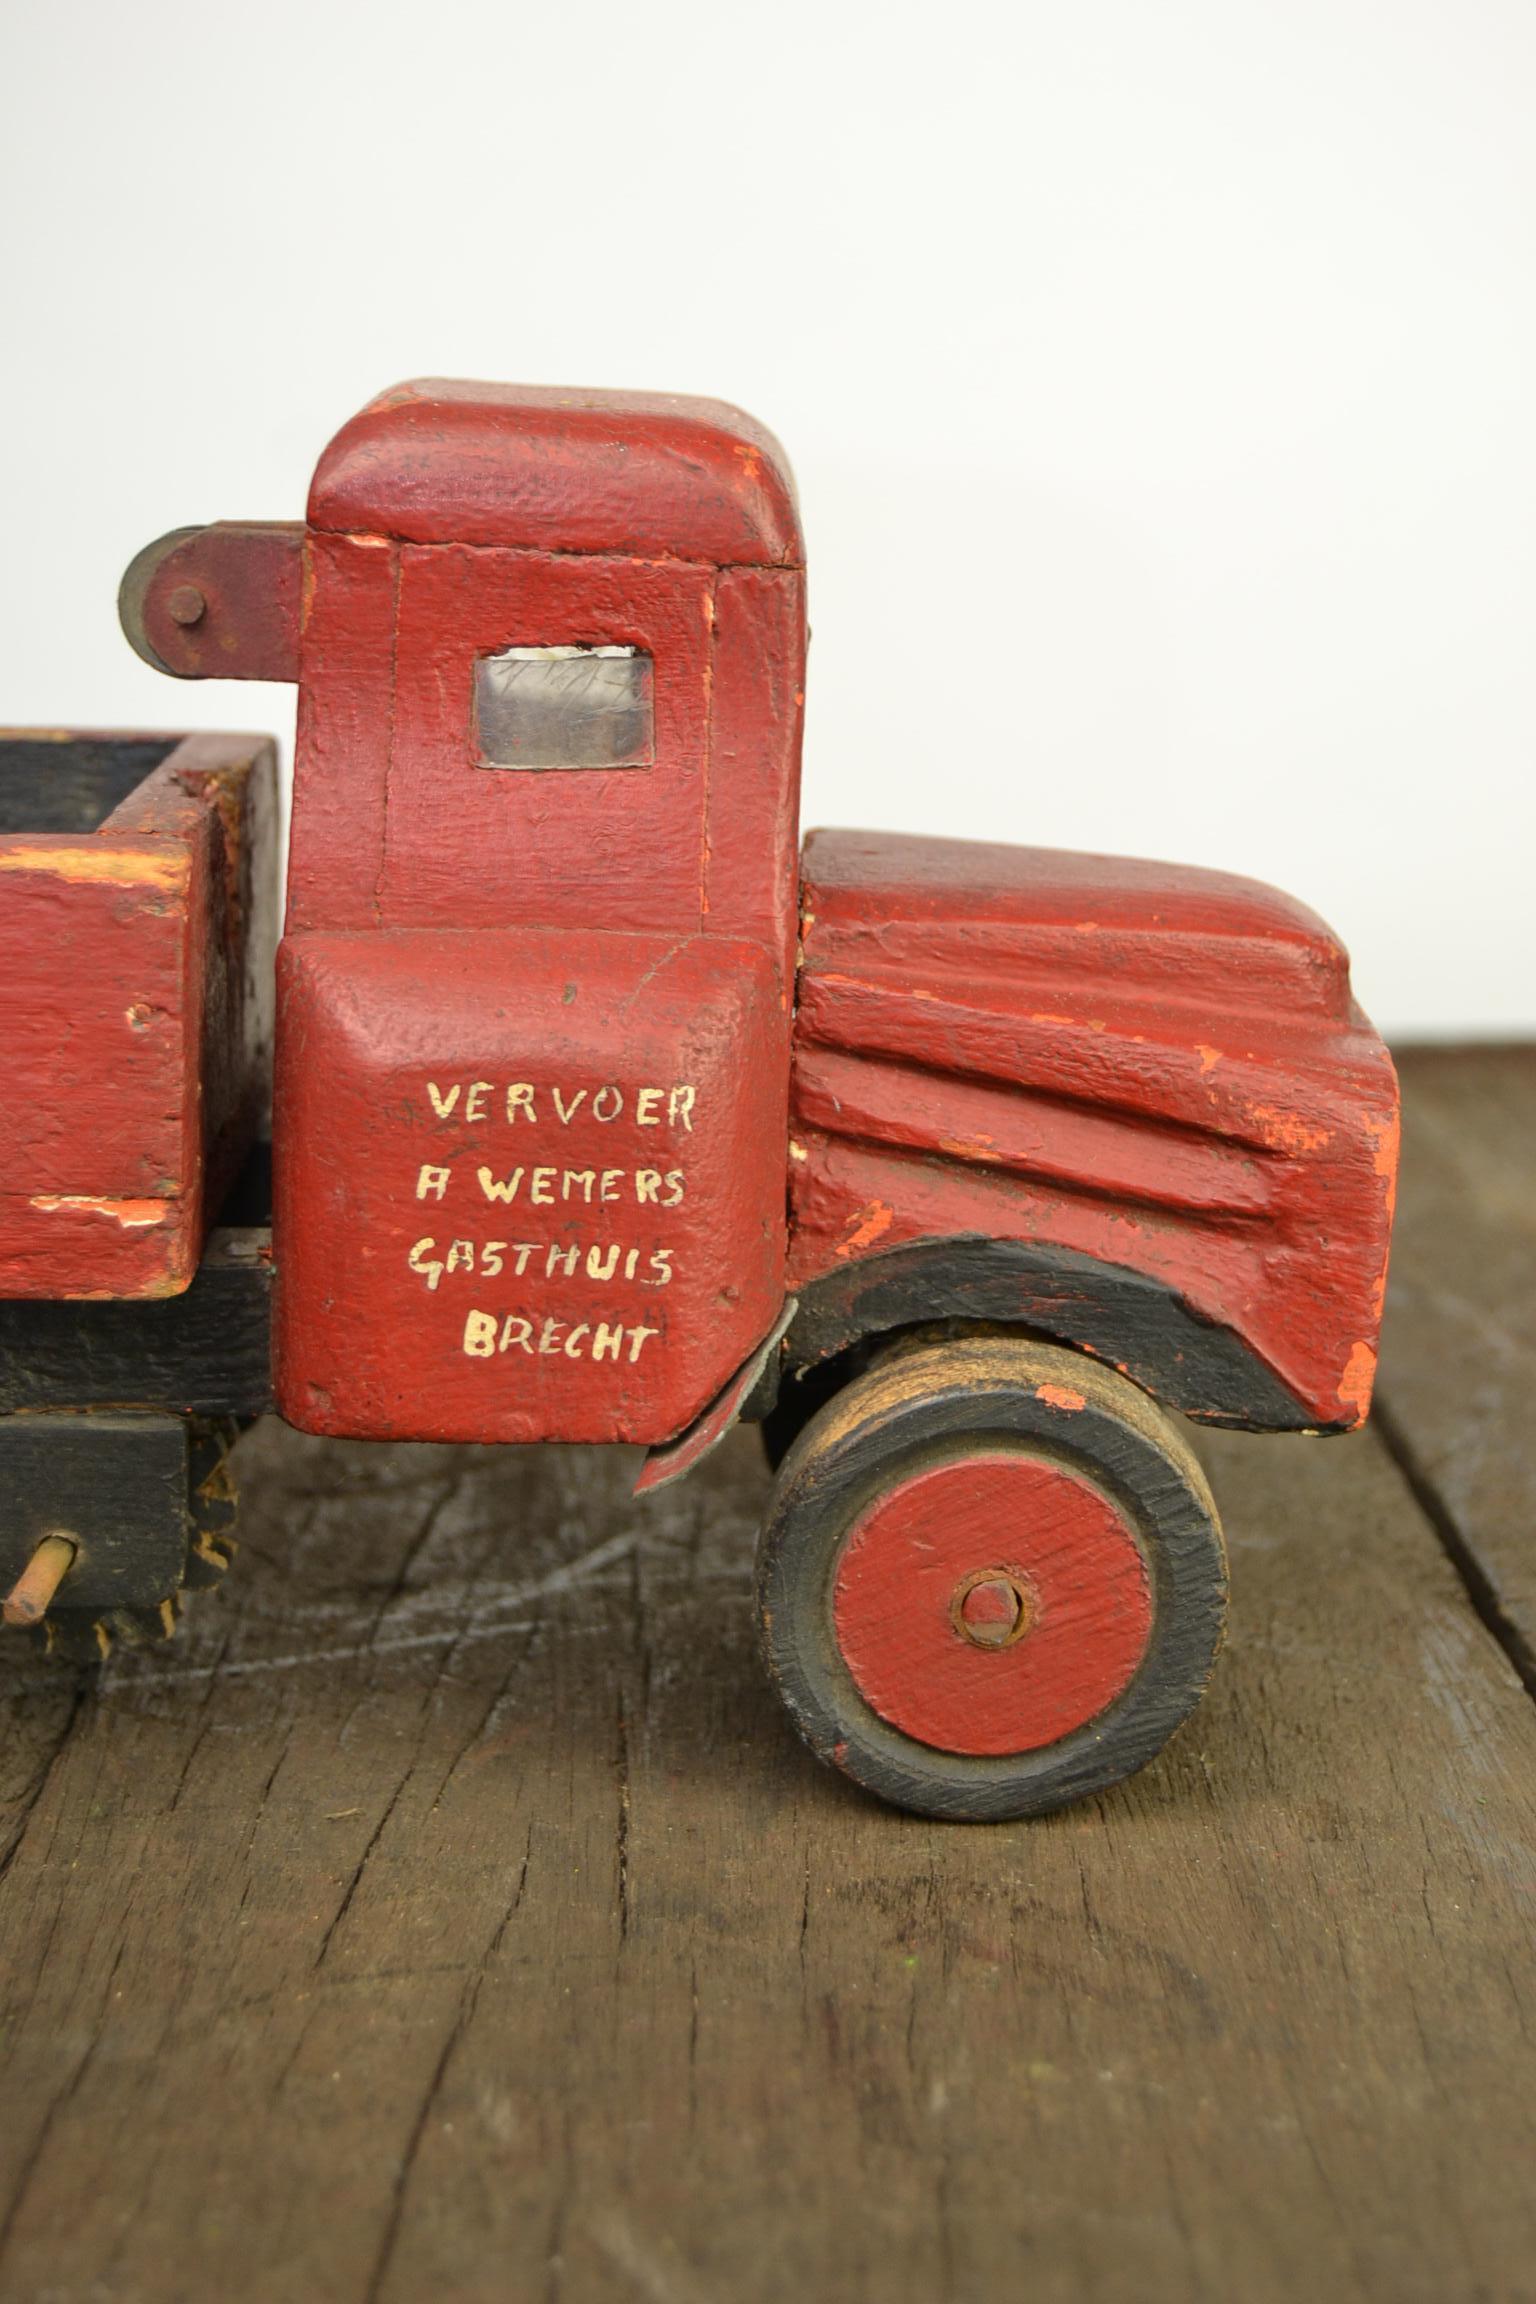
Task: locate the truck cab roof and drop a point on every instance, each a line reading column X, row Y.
column 646, row 475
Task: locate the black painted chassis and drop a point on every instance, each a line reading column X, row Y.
column 106, row 1407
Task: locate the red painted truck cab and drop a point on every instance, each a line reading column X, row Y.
column 535, row 988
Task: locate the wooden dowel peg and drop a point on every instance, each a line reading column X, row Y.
column 28, row 1600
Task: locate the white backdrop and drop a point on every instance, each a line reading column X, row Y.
column 1160, row 379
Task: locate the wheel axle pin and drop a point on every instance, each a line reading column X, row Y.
column 29, row 1598
column 991, row 1610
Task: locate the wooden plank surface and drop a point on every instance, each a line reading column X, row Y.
column 448, row 1914
column 1459, row 1361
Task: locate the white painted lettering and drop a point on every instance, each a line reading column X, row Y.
column 421, row 1260
column 568, row 1268
column 493, row 1189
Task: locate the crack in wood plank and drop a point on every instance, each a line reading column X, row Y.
column 32, row 1792
column 462, row 2021
column 1487, row 1602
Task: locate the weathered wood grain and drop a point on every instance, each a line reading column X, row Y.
column 1459, row 1360
column 452, row 1915
column 206, row 1351
column 54, row 782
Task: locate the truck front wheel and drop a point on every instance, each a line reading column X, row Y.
column 991, row 1580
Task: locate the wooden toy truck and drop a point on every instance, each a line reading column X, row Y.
column 601, row 1112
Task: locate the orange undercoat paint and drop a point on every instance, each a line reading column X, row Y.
column 132, row 1215
column 872, row 1222
column 1059, row 1396
column 104, row 866
column 1358, row 1381
column 1286, row 1131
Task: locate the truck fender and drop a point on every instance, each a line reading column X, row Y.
column 1139, row 1325
column 672, row 1458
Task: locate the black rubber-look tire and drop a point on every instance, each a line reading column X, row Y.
column 944, row 1403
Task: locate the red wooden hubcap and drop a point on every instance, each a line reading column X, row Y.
column 992, row 1605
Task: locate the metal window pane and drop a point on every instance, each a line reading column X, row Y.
column 564, row 708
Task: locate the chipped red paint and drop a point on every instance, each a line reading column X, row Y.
column 1153, row 1065
column 135, row 1012
column 911, row 1563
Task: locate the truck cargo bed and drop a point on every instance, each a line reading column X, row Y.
column 138, row 915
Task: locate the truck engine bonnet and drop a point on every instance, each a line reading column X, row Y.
column 1155, row 1066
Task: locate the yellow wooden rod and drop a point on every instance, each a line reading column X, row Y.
column 28, row 1599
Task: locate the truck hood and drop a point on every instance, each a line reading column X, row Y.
column 986, row 914
column 1152, row 1065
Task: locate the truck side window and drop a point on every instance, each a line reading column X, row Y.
column 564, row 708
